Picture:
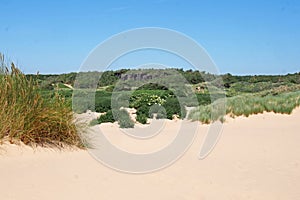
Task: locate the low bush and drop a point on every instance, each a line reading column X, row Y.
column 159, row 110
column 143, row 110
column 173, row 107
column 123, row 118
column 94, row 122
column 142, row 118
column 107, row 117
column 140, row 99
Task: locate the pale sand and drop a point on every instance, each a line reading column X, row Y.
column 256, row 158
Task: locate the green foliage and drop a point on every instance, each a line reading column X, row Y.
column 193, row 77
column 247, row 94
column 107, row 78
column 123, row 118
column 142, row 118
column 142, row 100
column 142, row 113
column 102, row 101
column 144, row 109
column 107, row 117
column 173, row 107
column 111, row 116
column 94, row 122
column 203, row 99
column 82, row 101
column 148, row 97
column 159, row 110
column 89, row 79
column 249, row 104
column 152, row 86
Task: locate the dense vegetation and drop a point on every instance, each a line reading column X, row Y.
column 161, row 102
column 157, row 97
column 109, row 78
column 154, row 99
column 38, row 109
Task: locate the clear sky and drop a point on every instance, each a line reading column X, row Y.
column 242, row 37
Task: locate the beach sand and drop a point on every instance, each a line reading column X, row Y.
column 256, row 158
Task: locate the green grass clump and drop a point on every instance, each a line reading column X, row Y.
column 245, row 105
column 29, row 118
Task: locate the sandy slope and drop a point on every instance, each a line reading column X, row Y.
column 256, row 158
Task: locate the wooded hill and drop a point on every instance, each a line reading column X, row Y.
column 109, row 78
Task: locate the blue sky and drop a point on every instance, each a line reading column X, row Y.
column 242, row 37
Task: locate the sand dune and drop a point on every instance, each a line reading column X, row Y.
column 256, row 158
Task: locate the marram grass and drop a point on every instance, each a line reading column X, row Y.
column 31, row 119
column 245, row 105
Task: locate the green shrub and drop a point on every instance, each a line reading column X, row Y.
column 144, row 109
column 159, row 111
column 102, row 101
column 123, row 118
column 173, row 107
column 203, row 99
column 142, row 118
column 94, row 122
column 107, row 117
column 139, row 100
column 142, row 113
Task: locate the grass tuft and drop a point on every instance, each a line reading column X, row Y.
column 245, row 105
column 27, row 117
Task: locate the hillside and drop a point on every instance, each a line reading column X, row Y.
column 167, row 92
